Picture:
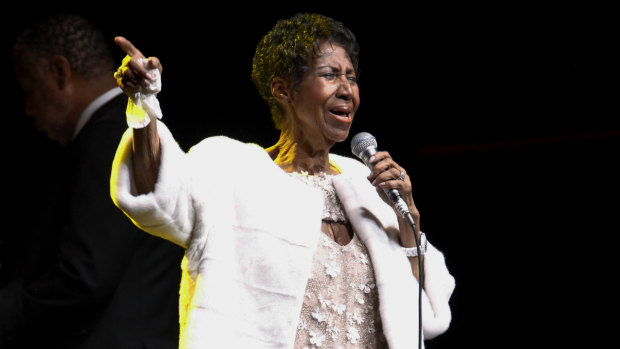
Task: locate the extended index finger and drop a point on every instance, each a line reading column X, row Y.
column 128, row 47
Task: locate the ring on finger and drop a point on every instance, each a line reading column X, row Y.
column 402, row 176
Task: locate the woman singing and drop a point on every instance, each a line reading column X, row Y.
column 289, row 246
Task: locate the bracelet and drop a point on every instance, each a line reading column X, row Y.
column 413, row 251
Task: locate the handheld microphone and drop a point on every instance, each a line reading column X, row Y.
column 364, row 145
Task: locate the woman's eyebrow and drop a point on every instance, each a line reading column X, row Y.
column 335, row 69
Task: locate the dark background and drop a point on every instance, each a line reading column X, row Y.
column 505, row 117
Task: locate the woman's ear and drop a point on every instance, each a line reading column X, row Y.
column 280, row 90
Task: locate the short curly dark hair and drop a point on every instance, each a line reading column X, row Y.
column 71, row 36
column 288, row 49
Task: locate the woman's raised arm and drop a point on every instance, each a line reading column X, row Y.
column 132, row 77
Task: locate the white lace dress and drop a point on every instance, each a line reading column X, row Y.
column 341, row 304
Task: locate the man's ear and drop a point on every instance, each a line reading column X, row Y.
column 61, row 70
column 280, row 90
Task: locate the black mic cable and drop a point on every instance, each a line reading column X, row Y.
column 363, row 146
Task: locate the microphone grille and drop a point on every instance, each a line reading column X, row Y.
column 361, row 142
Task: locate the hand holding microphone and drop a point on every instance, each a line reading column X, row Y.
column 391, row 180
column 395, row 187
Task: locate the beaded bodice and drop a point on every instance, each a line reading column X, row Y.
column 332, row 207
column 341, row 302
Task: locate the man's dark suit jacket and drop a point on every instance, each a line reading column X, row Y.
column 90, row 278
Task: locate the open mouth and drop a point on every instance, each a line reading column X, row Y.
column 343, row 112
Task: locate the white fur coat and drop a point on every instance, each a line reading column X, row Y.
column 250, row 232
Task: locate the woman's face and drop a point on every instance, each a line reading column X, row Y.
column 326, row 100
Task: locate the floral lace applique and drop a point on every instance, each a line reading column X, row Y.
column 340, row 309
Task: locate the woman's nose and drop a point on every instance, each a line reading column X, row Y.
column 345, row 90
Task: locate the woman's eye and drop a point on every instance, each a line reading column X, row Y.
column 332, row 76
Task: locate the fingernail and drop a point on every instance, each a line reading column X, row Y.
column 372, row 159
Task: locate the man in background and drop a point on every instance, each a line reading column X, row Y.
column 87, row 277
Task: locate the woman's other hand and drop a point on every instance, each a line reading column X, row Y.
column 132, row 76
